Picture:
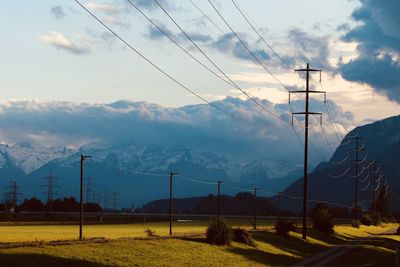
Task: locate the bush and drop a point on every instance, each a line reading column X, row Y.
column 366, row 220
column 219, row 233
column 322, row 218
column 150, row 233
column 371, row 218
column 242, row 236
column 356, row 224
column 283, row 228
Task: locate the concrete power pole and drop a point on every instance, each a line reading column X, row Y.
column 307, row 92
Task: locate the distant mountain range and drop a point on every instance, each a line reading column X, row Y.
column 382, row 143
column 122, row 174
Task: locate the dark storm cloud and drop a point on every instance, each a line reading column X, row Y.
column 378, row 35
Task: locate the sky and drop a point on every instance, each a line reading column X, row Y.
column 54, row 52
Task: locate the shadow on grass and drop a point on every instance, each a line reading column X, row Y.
column 264, row 257
column 365, row 256
column 42, row 260
column 193, row 239
column 382, row 242
column 289, row 244
column 331, row 239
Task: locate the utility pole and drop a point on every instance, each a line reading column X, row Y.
column 278, row 209
column 50, row 186
column 115, row 200
column 297, row 210
column 12, row 195
column 374, row 178
column 218, row 200
column 255, row 208
column 357, row 163
column 171, row 176
column 307, row 92
column 81, row 197
column 106, row 199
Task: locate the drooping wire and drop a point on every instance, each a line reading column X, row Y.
column 247, row 18
column 257, row 60
column 207, row 17
column 250, row 97
column 195, row 180
column 177, row 44
column 340, row 162
column 341, row 175
column 159, row 68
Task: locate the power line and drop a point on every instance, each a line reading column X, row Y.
column 177, row 44
column 159, row 68
column 250, row 97
column 246, row 17
column 247, row 48
column 207, row 17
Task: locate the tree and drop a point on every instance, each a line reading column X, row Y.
column 32, row 204
column 322, row 218
column 381, row 201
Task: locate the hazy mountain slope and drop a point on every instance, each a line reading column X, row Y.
column 382, row 140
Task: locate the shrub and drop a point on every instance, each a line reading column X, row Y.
column 219, row 233
column 150, row 232
column 366, row 220
column 322, row 218
column 356, row 224
column 376, row 218
column 242, row 236
column 283, row 228
column 371, row 218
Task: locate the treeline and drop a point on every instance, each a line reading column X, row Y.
column 68, row 204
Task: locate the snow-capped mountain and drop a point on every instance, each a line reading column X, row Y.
column 267, row 168
column 29, row 158
column 120, row 167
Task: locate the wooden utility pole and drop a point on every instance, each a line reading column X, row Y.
column 357, row 163
column 81, row 197
column 218, row 200
column 255, row 208
column 307, row 92
column 171, row 176
column 375, row 177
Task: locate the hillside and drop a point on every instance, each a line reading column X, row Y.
column 382, row 141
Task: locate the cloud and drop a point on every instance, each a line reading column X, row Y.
column 59, row 41
column 154, row 34
column 229, row 44
column 308, row 48
column 378, row 36
column 197, row 37
column 194, row 126
column 57, row 12
column 151, row 4
column 106, row 8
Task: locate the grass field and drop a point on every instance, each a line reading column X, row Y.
column 31, row 233
column 271, row 250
